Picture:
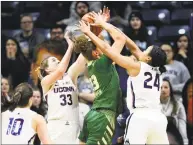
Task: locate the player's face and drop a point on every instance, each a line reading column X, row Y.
column 27, row 23
column 4, row 86
column 11, row 46
column 41, row 55
column 82, row 9
column 146, row 58
column 97, row 53
column 165, row 90
column 169, row 53
column 36, row 99
column 52, row 64
column 57, row 34
column 135, row 23
column 183, row 42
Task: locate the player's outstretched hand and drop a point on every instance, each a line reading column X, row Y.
column 68, row 38
column 100, row 17
column 83, row 26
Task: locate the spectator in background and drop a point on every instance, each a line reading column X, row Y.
column 86, row 95
column 137, row 31
column 174, row 135
column 173, row 108
column 188, row 101
column 38, row 106
column 81, row 8
column 5, row 94
column 57, row 33
column 38, row 103
column 74, row 17
column 47, row 48
column 184, row 52
column 176, row 72
column 15, row 66
column 28, row 38
column 120, row 22
column 51, row 12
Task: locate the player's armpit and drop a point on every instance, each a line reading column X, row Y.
column 41, row 129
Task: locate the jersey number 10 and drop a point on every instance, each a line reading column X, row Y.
column 15, row 126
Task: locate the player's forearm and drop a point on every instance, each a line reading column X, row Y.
column 87, row 96
column 115, row 33
column 133, row 47
column 66, row 59
column 97, row 41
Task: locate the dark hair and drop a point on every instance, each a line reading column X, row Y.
column 184, row 94
column 142, row 34
column 19, row 54
column 56, row 27
column 84, row 46
column 42, row 110
column 84, row 2
column 176, row 45
column 22, row 93
column 26, row 15
column 53, row 46
column 172, row 99
column 158, row 58
column 172, row 129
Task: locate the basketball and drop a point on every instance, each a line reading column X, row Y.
column 86, row 18
column 95, row 29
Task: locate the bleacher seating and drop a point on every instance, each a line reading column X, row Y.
column 170, row 33
column 45, row 32
column 9, row 6
column 11, row 33
column 181, row 16
column 187, row 4
column 166, row 4
column 140, row 4
column 152, row 32
column 162, row 15
column 156, row 17
column 31, row 6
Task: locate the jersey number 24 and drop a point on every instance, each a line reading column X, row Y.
column 149, row 79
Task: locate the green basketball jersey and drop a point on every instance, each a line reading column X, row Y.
column 105, row 80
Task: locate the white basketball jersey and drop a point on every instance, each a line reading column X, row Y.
column 17, row 126
column 62, row 100
column 143, row 91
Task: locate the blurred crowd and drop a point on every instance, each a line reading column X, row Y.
column 22, row 53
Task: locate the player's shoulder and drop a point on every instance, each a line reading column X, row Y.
column 38, row 118
column 144, row 66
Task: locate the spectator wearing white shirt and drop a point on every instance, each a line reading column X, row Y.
column 173, row 108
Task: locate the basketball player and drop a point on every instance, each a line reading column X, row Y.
column 146, row 123
column 19, row 123
column 99, row 123
column 59, row 89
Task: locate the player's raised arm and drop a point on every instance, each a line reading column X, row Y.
column 77, row 68
column 48, row 80
column 126, row 62
column 100, row 20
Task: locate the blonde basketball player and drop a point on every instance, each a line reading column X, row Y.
column 60, row 92
column 146, row 124
column 19, row 123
